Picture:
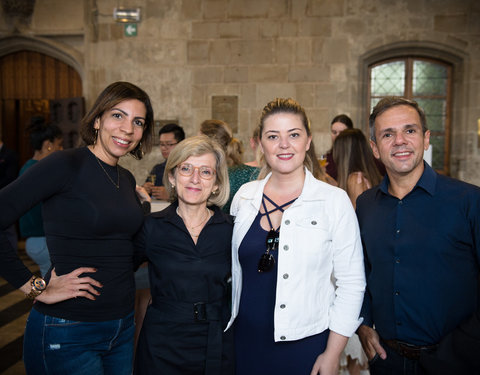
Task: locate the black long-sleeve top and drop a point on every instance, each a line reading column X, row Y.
column 180, row 269
column 88, row 222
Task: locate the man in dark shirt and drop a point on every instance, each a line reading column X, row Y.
column 170, row 135
column 421, row 237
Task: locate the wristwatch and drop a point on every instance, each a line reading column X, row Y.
column 38, row 286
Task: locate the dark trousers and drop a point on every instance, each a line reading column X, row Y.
column 394, row 364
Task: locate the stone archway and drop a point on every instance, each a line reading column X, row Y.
column 47, row 47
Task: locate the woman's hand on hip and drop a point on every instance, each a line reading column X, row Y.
column 70, row 285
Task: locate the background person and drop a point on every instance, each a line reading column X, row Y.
column 238, row 172
column 242, row 173
column 44, row 139
column 220, row 131
column 188, row 246
column 292, row 235
column 357, row 172
column 422, row 252
column 253, row 142
column 338, row 124
column 356, row 169
column 82, row 318
column 170, row 135
column 8, row 173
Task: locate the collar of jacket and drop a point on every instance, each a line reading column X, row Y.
column 309, row 193
column 170, row 214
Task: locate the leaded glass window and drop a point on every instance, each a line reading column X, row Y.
column 426, row 81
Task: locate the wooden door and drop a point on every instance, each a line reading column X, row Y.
column 29, row 82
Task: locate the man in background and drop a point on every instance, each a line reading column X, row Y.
column 170, row 135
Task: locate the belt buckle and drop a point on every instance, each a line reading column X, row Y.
column 409, row 350
column 200, row 311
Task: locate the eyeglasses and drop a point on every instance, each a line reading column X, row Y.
column 267, row 260
column 167, row 145
column 186, row 169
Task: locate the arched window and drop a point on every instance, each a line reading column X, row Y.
column 428, row 82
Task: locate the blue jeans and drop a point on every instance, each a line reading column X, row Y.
column 54, row 346
column 36, row 248
column 394, row 364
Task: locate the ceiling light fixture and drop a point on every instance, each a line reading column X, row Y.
column 126, row 15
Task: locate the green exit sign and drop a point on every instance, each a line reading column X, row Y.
column 130, row 29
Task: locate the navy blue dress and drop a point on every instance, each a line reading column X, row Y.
column 256, row 350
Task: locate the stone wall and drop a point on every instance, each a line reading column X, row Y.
column 316, row 51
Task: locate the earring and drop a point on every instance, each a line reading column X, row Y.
column 95, row 138
column 215, row 192
column 49, row 148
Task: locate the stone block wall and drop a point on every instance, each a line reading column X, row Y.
column 188, row 51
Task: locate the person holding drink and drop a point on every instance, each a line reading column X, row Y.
column 170, row 135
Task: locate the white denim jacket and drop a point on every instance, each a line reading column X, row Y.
column 321, row 279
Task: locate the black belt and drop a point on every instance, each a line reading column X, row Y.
column 198, row 312
column 408, row 350
column 179, row 311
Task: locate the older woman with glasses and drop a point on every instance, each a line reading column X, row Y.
column 188, row 246
column 297, row 276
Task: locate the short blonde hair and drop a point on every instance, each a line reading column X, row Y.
column 197, row 146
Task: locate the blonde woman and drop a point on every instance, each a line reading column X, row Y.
column 297, row 275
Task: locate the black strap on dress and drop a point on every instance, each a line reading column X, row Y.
column 276, row 208
column 267, row 260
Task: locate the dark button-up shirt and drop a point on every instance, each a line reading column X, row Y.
column 421, row 257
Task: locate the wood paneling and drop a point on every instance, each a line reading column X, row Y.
column 32, row 75
column 28, row 81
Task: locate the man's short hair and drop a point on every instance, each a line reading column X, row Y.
column 176, row 129
column 390, row 102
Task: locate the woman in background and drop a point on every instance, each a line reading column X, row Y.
column 44, row 139
column 221, row 132
column 82, row 318
column 238, row 172
column 253, row 141
column 188, row 246
column 243, row 173
column 356, row 168
column 357, row 172
column 338, row 124
column 297, row 276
